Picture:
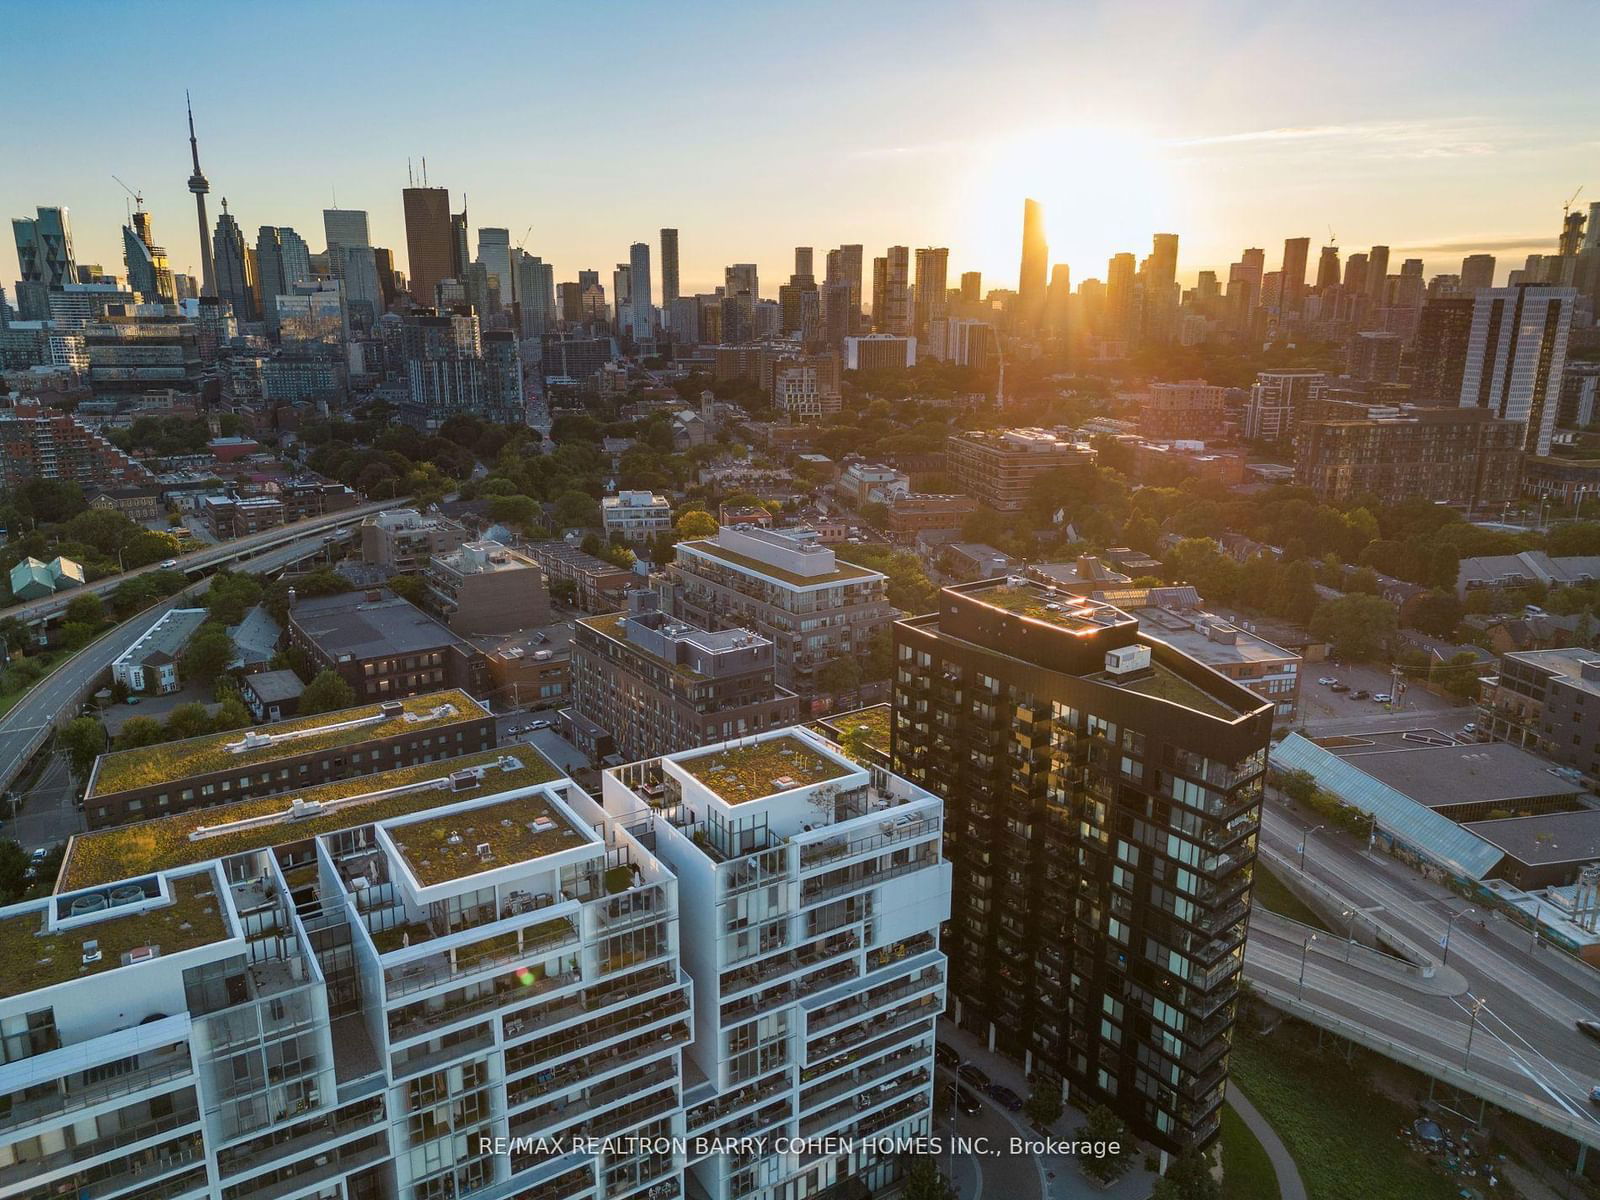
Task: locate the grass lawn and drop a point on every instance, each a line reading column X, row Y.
column 1271, row 893
column 1246, row 1170
column 50, row 660
column 1342, row 1133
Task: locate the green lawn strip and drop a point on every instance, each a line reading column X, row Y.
column 52, row 660
column 1342, row 1134
column 1246, row 1170
column 1273, row 894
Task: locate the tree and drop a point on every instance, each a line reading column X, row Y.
column 208, row 653
column 522, row 511
column 1188, row 1178
column 839, row 677
column 82, row 741
column 696, row 524
column 13, row 871
column 75, row 635
column 1299, row 785
column 575, row 509
column 1437, row 613
column 87, row 609
column 232, row 715
column 925, row 1182
column 1043, row 1106
column 1359, row 626
column 187, row 721
column 1104, row 1130
column 409, row 588
column 141, row 731
column 326, row 693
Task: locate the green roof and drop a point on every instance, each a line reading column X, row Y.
column 739, row 774
column 844, row 573
column 107, row 855
column 439, row 849
column 872, row 724
column 171, row 762
column 31, row 959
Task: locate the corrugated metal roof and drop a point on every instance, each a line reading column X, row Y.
column 1437, row 838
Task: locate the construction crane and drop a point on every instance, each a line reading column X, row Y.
column 138, row 197
column 1333, row 238
column 525, row 237
column 1567, row 207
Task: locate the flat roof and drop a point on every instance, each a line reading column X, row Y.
column 31, row 958
column 1163, row 683
column 1546, row 840
column 842, row 572
column 755, row 770
column 107, row 855
column 1044, row 603
column 1440, row 776
column 519, row 830
column 1566, row 662
column 171, row 762
column 274, row 685
column 167, row 635
column 1187, row 634
column 351, row 624
column 873, row 723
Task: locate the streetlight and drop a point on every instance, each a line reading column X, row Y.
column 1471, row 1028
column 1300, row 988
column 1449, row 926
column 1349, row 915
column 1304, row 838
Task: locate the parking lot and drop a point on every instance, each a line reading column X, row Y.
column 1323, row 710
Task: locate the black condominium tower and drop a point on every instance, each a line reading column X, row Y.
column 1103, row 796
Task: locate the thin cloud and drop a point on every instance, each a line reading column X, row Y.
column 1532, row 241
column 1427, row 139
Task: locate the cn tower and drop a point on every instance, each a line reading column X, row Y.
column 199, row 186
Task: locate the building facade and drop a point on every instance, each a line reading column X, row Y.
column 658, row 684
column 1103, row 796
column 788, row 587
column 1516, row 353
column 999, row 468
column 638, row 516
column 1460, row 456
column 383, row 647
column 485, row 587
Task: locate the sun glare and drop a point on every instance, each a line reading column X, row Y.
column 1104, row 190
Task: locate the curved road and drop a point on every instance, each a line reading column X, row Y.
column 23, row 728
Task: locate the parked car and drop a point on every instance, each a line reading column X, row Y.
column 1339, row 687
column 1005, row 1097
column 1360, row 694
column 974, row 1074
column 1326, row 680
column 946, row 1056
column 963, row 1099
column 1469, row 729
column 532, row 725
column 1382, row 697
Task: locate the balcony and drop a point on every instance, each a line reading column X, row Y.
column 28, row 1168
column 916, row 1081
column 857, row 1036
column 743, row 978
column 18, row 1109
column 751, row 1093
column 423, row 1017
column 491, row 954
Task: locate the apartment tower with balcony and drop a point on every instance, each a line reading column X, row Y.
column 1103, row 795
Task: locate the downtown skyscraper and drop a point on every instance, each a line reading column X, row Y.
column 1033, row 279
column 430, row 256
column 1516, row 352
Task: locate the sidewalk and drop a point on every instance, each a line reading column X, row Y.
column 1063, row 1179
column 1290, row 1185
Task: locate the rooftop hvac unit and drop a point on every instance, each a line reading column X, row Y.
column 461, row 781
column 391, row 708
column 1126, row 660
column 91, row 951
column 141, row 954
column 485, row 851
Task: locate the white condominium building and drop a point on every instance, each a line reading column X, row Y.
column 812, row 894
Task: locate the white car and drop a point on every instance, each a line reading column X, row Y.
column 539, row 725
column 169, row 565
column 1383, row 698
column 1326, row 680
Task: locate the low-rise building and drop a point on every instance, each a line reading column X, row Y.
column 1228, row 647
column 1189, row 409
column 255, row 640
column 880, row 352
column 34, row 580
column 966, row 561
column 658, row 683
column 533, row 671
column 41, row 443
column 272, row 695
column 1546, row 700
column 786, row 585
column 150, row 665
column 597, row 585
column 402, row 540
column 861, row 482
column 137, row 502
column 384, row 647
column 912, row 512
column 232, row 516
column 637, row 515
column 1000, row 467
column 485, row 587
column 174, row 777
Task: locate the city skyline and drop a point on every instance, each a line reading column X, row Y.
column 1418, row 163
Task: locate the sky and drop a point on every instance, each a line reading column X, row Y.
column 1440, row 129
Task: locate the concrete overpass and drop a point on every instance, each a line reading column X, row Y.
column 199, row 562
column 1517, row 1003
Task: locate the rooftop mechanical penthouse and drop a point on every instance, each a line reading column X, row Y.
column 1103, row 798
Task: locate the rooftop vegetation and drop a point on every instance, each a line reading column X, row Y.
column 440, row 849
column 743, row 773
column 111, row 854
column 1034, row 602
column 148, row 766
column 31, row 959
